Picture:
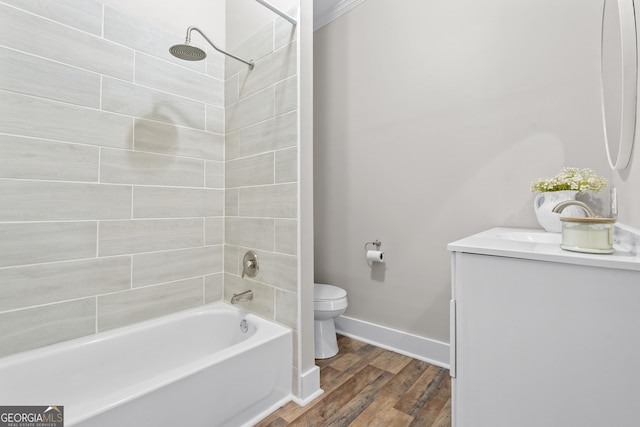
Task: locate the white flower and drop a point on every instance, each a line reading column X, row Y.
column 571, row 179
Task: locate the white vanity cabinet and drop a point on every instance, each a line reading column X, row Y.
column 542, row 337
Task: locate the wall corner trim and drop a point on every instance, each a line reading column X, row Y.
column 340, row 8
column 309, row 387
column 425, row 349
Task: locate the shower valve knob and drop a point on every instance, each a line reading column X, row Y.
column 250, row 265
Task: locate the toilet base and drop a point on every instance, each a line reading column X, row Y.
column 326, row 342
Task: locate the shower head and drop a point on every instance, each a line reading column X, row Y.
column 187, row 52
column 191, row 53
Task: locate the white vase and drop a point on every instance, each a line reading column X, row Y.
column 544, row 204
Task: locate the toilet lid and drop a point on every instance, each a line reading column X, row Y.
column 323, row 292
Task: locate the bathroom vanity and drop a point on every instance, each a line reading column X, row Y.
column 541, row 336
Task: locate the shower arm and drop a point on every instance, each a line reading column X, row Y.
column 188, row 41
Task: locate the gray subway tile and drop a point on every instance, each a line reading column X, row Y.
column 57, row 201
column 215, row 65
column 164, row 76
column 214, row 175
column 287, row 236
column 231, row 260
column 286, row 97
column 231, row 146
column 137, row 305
column 85, row 15
column 215, row 119
column 135, row 236
column 254, row 170
column 59, row 281
column 278, row 270
column 285, row 32
column 286, row 311
column 274, row 201
column 130, row 167
column 163, row 138
column 35, row 76
column 213, row 288
column 35, row 327
column 29, row 158
column 168, row 266
column 127, row 98
column 31, row 243
column 231, row 198
column 263, row 302
column 159, row 202
column 274, row 134
column 287, row 165
column 40, row 118
column 255, row 233
column 137, row 34
column 254, row 48
column 231, row 90
column 273, row 68
column 214, row 231
column 251, row 110
column 32, row 34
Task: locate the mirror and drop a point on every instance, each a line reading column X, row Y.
column 619, row 57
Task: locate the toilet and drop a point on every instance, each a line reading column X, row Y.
column 329, row 302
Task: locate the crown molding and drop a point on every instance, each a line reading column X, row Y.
column 340, row 8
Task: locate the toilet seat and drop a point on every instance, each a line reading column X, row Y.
column 327, row 298
column 329, row 302
column 332, row 305
column 322, row 292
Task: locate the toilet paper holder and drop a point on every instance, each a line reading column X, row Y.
column 377, row 243
column 374, row 255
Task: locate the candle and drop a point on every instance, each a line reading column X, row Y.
column 587, row 234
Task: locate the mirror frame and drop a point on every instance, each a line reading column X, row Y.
column 627, row 19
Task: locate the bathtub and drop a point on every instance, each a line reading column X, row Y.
column 194, row 368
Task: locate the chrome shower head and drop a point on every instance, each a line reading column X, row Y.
column 187, row 52
column 191, row 53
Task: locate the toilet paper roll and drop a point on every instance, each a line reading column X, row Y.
column 375, row 256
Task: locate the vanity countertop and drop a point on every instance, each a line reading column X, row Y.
column 536, row 244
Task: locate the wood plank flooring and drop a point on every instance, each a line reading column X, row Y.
column 366, row 386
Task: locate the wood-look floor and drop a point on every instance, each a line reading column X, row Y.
column 367, row 386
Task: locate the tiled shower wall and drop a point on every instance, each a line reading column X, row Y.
column 112, row 174
column 261, row 172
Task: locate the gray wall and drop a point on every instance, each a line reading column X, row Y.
column 111, row 174
column 264, row 180
column 244, row 17
column 431, row 121
column 113, row 167
column 261, row 171
column 113, row 162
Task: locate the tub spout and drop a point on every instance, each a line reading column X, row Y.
column 560, row 206
column 242, row 296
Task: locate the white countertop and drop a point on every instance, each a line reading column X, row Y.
column 489, row 242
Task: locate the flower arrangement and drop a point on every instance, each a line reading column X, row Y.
column 581, row 180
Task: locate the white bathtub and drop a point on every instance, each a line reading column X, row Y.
column 193, row 368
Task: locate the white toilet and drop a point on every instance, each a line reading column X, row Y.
column 329, row 302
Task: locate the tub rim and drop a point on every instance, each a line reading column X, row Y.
column 266, row 330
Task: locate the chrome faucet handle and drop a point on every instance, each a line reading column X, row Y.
column 250, row 266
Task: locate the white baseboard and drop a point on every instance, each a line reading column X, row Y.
column 308, row 387
column 425, row 349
